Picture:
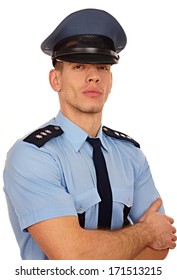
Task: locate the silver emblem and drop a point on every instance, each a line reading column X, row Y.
column 38, row 136
column 48, row 131
column 44, row 133
column 123, row 135
column 56, row 127
column 117, row 133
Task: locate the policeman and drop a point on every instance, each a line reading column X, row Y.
column 56, row 193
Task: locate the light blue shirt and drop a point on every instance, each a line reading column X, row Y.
column 59, row 179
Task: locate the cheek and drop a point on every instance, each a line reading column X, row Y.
column 109, row 87
column 110, row 82
column 67, row 91
column 66, row 82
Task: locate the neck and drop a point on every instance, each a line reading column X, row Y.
column 89, row 122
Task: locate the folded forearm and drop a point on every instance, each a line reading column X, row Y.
column 151, row 254
column 122, row 244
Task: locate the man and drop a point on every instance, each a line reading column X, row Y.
column 55, row 189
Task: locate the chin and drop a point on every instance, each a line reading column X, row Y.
column 92, row 110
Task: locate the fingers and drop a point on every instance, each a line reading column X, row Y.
column 174, row 238
column 155, row 205
column 173, row 230
column 170, row 219
column 173, row 243
column 162, row 231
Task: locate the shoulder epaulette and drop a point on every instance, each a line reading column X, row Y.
column 43, row 135
column 119, row 135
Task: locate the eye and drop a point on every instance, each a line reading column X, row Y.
column 78, row 66
column 104, row 67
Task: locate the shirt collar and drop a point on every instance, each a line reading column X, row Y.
column 102, row 138
column 73, row 133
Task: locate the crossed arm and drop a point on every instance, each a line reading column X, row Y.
column 63, row 238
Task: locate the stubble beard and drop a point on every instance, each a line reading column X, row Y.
column 89, row 110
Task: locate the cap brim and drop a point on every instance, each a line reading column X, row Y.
column 87, row 55
column 87, row 59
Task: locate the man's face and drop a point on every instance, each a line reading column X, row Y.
column 84, row 87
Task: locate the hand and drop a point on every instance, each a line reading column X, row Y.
column 162, row 230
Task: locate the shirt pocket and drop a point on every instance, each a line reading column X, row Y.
column 86, row 200
column 123, row 195
column 122, row 203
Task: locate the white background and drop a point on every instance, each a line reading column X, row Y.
column 142, row 103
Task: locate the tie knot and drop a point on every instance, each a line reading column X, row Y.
column 94, row 142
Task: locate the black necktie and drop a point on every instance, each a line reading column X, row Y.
column 103, row 184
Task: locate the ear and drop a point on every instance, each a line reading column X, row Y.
column 54, row 80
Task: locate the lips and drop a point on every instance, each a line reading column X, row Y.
column 92, row 92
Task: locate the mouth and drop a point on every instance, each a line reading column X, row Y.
column 92, row 92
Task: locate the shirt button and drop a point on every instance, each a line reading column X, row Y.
column 129, row 202
column 80, row 208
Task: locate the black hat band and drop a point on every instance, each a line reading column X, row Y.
column 73, row 51
column 86, row 48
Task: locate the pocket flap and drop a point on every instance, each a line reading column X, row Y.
column 123, row 195
column 86, row 200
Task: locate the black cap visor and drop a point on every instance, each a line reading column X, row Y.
column 87, row 56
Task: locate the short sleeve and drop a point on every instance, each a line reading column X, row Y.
column 33, row 183
column 145, row 191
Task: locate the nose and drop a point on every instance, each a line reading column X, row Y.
column 93, row 74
